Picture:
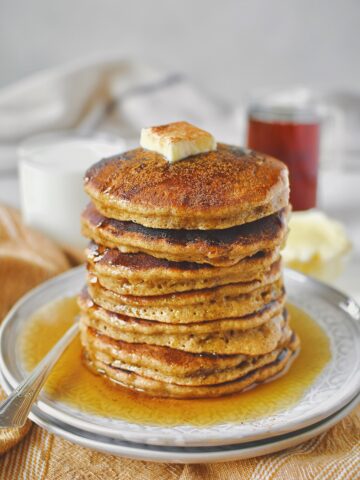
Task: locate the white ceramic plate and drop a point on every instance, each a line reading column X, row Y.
column 333, row 389
column 153, row 453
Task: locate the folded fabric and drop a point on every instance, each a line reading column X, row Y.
column 27, row 258
column 105, row 95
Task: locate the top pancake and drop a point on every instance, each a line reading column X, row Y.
column 215, row 190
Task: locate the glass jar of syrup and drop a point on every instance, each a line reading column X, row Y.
column 291, row 134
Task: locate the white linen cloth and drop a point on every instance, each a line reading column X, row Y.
column 106, row 95
column 111, row 96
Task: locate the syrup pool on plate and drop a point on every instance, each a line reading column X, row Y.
column 71, row 382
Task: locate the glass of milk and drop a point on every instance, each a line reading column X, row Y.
column 51, row 169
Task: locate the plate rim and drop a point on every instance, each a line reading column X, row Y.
column 202, row 454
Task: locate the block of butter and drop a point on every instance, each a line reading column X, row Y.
column 176, row 141
column 316, row 244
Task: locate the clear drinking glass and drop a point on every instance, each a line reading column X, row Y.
column 51, row 170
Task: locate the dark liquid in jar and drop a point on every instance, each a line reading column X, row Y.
column 297, row 145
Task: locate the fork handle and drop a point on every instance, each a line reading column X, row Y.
column 14, row 411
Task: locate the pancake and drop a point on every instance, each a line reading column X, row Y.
column 141, row 274
column 155, row 387
column 216, row 247
column 164, row 359
column 104, row 349
column 214, row 190
column 255, row 341
column 169, row 361
column 150, row 327
column 234, row 300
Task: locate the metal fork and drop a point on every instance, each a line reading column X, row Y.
column 15, row 410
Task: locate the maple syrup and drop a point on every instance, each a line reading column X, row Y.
column 72, row 383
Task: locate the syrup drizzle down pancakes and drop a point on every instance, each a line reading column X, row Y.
column 184, row 294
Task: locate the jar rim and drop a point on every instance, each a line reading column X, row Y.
column 268, row 112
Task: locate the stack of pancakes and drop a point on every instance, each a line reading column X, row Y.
column 184, row 294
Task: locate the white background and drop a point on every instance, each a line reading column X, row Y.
column 228, row 47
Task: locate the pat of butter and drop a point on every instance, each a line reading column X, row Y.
column 314, row 236
column 176, row 141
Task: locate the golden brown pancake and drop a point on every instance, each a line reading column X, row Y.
column 105, row 349
column 169, row 361
column 151, row 327
column 255, row 341
column 217, row 189
column 216, row 247
column 155, row 387
column 141, row 274
column 234, row 300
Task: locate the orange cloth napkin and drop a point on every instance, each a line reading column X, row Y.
column 26, row 259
